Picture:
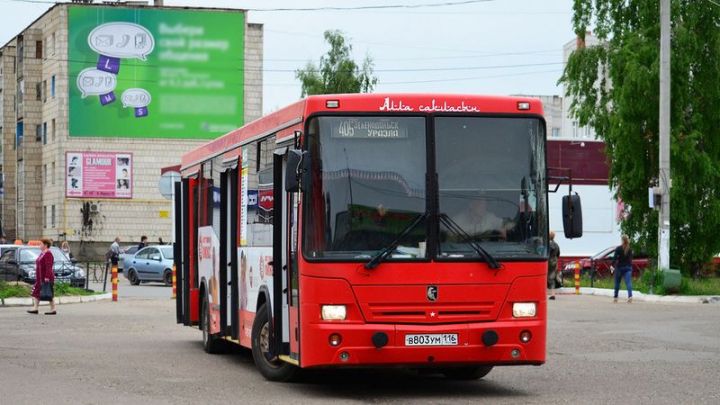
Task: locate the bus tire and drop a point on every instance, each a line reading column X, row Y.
column 271, row 369
column 211, row 342
column 467, row 372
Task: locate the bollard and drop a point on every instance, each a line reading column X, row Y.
column 577, row 278
column 174, row 283
column 114, row 282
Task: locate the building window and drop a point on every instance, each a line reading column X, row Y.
column 38, row 50
column 44, row 133
column 556, row 132
column 52, row 46
column 45, row 216
column 52, row 174
column 52, row 86
column 44, row 91
column 52, row 216
column 38, row 90
column 38, row 133
column 52, row 130
column 19, row 134
column 45, row 175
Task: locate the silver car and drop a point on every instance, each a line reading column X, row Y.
column 151, row 263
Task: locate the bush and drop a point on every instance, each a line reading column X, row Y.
column 652, row 280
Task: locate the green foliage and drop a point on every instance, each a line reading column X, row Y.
column 337, row 72
column 9, row 290
column 622, row 105
column 13, row 290
column 654, row 279
column 62, row 289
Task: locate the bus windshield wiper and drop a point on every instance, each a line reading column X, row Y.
column 456, row 229
column 382, row 255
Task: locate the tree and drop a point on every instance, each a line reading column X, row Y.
column 337, row 72
column 615, row 87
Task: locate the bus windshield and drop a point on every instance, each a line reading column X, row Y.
column 492, row 192
column 367, row 187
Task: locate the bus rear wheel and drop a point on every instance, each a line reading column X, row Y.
column 211, row 343
column 273, row 369
column 467, row 373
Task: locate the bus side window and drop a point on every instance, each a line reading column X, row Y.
column 260, row 192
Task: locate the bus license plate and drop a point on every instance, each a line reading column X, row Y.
column 432, row 339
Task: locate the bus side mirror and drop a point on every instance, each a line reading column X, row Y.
column 296, row 162
column 572, row 216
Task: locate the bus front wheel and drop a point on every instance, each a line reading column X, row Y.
column 467, row 373
column 273, row 369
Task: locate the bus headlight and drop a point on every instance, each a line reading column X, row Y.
column 333, row 312
column 524, row 309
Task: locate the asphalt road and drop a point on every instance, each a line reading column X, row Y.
column 132, row 352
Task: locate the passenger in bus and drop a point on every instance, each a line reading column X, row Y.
column 479, row 222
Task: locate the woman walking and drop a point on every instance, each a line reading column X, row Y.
column 43, row 274
column 623, row 267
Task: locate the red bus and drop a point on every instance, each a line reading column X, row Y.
column 372, row 230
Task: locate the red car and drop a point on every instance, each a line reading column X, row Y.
column 601, row 263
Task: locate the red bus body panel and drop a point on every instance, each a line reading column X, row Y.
column 472, row 299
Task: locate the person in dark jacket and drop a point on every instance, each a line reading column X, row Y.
column 143, row 242
column 623, row 267
column 43, row 274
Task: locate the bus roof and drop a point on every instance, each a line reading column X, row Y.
column 285, row 121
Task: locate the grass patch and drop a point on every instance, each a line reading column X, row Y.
column 62, row 289
column 643, row 284
column 10, row 290
column 19, row 290
column 708, row 286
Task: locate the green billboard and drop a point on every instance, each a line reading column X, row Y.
column 155, row 72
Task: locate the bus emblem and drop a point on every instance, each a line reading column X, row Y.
column 432, row 293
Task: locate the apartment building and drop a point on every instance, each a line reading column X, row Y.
column 96, row 99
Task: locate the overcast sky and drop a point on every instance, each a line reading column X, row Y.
column 486, row 47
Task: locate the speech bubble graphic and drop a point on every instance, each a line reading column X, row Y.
column 122, row 40
column 136, row 98
column 93, row 82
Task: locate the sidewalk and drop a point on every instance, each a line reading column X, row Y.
column 638, row 296
column 70, row 299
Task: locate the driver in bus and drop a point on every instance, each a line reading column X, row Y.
column 479, row 222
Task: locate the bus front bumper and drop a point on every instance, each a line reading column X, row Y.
column 487, row 343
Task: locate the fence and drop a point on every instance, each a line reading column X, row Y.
column 96, row 272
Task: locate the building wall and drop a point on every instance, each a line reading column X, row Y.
column 40, row 207
column 570, row 125
column 8, row 82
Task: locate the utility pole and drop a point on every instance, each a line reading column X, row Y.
column 664, row 174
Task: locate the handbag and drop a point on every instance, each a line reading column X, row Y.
column 46, row 291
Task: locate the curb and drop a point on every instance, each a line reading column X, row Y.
column 71, row 299
column 638, row 296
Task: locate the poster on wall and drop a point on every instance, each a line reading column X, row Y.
column 155, row 72
column 98, row 175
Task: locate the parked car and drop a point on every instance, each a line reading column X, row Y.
column 128, row 251
column 601, row 262
column 18, row 263
column 151, row 263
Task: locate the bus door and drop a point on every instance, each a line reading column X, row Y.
column 233, row 292
column 186, row 237
column 285, row 297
